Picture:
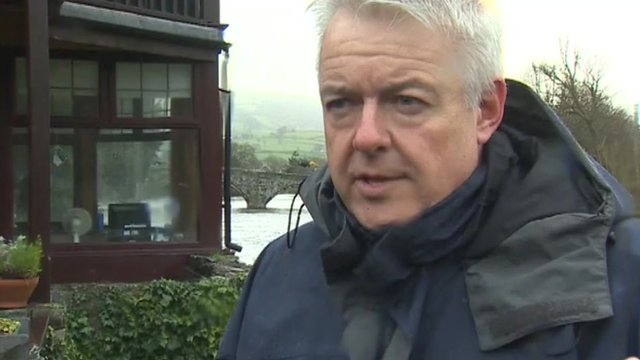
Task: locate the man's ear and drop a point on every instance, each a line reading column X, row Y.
column 491, row 111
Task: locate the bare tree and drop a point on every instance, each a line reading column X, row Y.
column 575, row 90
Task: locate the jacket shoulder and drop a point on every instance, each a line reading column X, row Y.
column 293, row 248
column 306, row 237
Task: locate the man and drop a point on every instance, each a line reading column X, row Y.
column 457, row 218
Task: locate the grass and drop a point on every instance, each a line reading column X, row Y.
column 307, row 143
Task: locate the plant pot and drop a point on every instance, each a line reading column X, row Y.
column 15, row 293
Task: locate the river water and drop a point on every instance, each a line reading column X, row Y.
column 254, row 229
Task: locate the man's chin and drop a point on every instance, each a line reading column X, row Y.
column 381, row 216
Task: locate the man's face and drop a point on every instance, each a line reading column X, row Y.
column 399, row 135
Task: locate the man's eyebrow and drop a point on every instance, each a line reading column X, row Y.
column 399, row 86
column 335, row 89
column 393, row 88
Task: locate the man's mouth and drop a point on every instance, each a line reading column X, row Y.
column 374, row 179
column 375, row 185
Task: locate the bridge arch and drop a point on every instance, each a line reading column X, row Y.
column 258, row 187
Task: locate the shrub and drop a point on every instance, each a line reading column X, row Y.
column 159, row 320
column 8, row 326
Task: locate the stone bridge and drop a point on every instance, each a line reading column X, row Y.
column 258, row 187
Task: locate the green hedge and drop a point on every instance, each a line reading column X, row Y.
column 159, row 320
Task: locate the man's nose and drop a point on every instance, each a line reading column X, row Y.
column 371, row 134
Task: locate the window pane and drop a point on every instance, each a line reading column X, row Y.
column 86, row 103
column 116, row 131
column 129, row 90
column 180, row 104
column 20, row 163
column 21, row 74
column 129, row 103
column 154, row 76
column 72, row 171
column 128, row 76
column 61, row 160
column 142, row 186
column 180, row 77
column 60, row 73
column 146, row 176
column 155, row 104
column 21, row 86
column 85, row 75
column 61, row 102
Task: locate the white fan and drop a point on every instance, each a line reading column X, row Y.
column 77, row 222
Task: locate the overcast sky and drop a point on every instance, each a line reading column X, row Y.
column 274, row 43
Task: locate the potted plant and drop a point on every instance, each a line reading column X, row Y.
column 19, row 271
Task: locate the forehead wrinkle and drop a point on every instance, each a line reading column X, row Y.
column 365, row 55
column 416, row 63
column 353, row 44
column 339, row 68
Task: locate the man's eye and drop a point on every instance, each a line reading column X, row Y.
column 409, row 104
column 338, row 104
column 408, row 101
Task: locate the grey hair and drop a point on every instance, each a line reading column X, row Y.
column 472, row 27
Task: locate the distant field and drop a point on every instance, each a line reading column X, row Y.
column 307, row 143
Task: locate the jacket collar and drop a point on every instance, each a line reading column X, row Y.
column 539, row 257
